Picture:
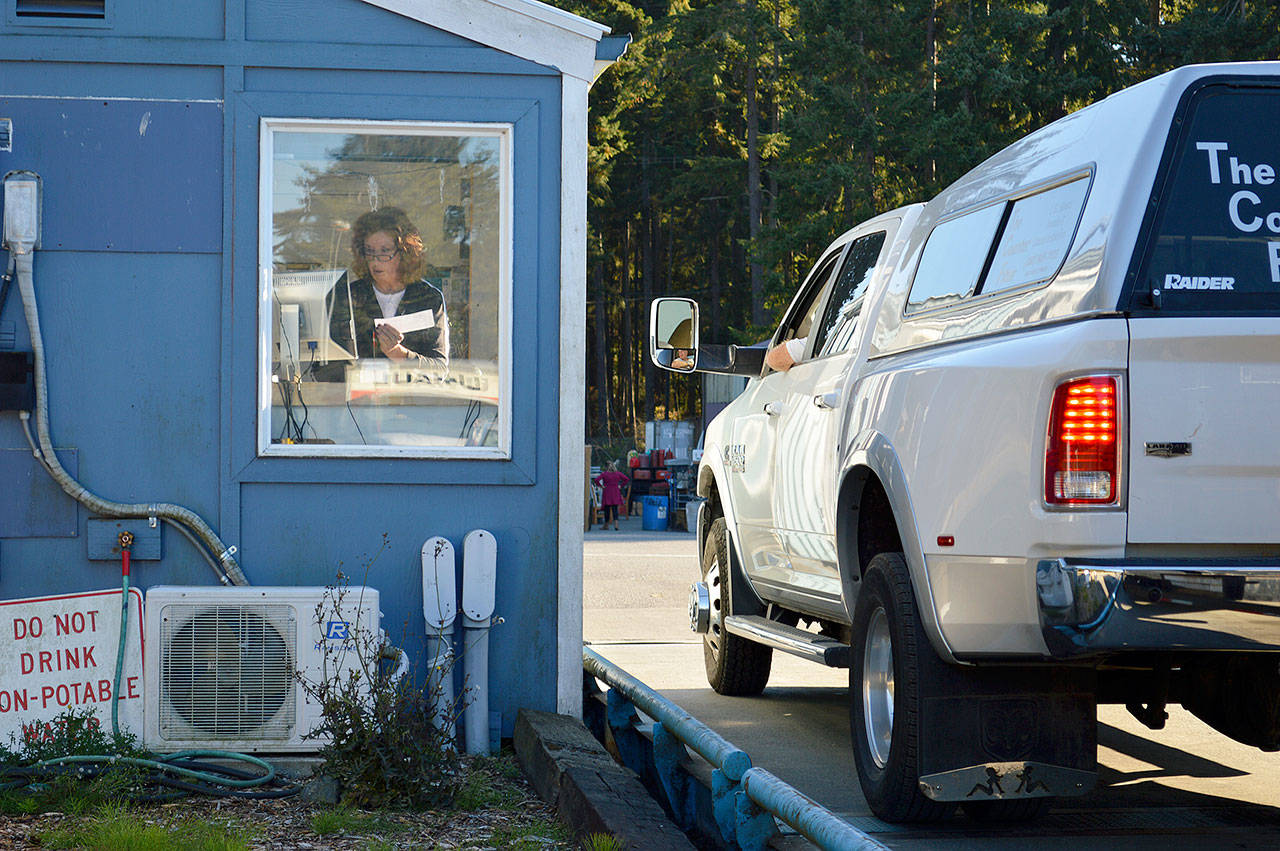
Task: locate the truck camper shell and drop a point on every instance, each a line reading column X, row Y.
column 1125, row 147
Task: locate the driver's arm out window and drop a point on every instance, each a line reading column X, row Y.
column 800, row 321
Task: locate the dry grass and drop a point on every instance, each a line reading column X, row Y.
column 500, row 811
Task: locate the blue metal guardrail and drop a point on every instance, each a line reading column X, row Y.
column 744, row 799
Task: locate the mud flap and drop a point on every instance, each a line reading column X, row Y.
column 1007, row 732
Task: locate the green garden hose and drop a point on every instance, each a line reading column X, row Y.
column 183, row 770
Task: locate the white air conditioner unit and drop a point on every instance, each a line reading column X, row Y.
column 221, row 664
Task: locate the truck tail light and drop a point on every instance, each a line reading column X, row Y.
column 1082, row 455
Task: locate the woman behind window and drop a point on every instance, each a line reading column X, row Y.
column 388, row 263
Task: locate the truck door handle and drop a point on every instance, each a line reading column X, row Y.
column 827, row 401
column 772, row 408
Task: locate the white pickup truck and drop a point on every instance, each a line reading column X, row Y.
column 1028, row 461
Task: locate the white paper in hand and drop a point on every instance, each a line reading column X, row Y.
column 420, row 321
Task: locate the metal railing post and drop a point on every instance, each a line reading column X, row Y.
column 668, row 756
column 621, row 714
column 744, row 799
column 723, row 804
column 754, row 824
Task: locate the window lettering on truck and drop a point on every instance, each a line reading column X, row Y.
column 1198, row 282
column 1239, row 172
column 1215, row 242
column 1236, row 211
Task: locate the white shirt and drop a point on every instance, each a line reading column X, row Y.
column 388, row 302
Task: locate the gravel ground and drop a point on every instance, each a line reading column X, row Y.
column 522, row 821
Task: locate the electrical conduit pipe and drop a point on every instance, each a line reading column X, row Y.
column 231, row 572
column 479, row 578
column 439, row 609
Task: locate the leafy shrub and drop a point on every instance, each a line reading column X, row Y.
column 75, row 732
column 72, row 788
column 389, row 741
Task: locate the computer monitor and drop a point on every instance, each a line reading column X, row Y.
column 301, row 316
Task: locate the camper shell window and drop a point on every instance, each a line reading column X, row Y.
column 1213, row 246
column 385, row 289
column 1031, row 237
column 954, row 258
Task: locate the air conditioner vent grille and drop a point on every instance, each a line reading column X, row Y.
column 228, row 671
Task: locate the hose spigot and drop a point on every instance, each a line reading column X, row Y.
column 125, row 539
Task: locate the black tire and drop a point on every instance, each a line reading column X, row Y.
column 886, row 748
column 735, row 666
column 1017, row 809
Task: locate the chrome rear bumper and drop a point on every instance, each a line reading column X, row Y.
column 1092, row 607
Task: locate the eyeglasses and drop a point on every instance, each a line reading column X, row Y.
column 381, row 256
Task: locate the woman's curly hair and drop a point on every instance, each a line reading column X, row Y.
column 391, row 220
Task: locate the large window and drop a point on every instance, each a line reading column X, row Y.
column 385, row 289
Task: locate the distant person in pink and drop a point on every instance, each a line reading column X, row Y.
column 611, row 482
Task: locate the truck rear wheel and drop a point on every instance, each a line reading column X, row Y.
column 735, row 666
column 889, row 646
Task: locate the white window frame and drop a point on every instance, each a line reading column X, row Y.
column 498, row 130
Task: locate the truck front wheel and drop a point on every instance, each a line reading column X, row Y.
column 889, row 647
column 735, row 666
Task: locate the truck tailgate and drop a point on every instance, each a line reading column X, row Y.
column 1212, row 383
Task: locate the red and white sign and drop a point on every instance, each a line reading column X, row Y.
column 59, row 653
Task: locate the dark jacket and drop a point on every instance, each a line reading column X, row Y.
column 432, row 343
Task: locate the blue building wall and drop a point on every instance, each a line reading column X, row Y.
column 145, row 132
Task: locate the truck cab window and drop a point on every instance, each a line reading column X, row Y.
column 800, row 319
column 845, row 303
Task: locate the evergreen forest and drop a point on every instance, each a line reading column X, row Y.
column 736, row 138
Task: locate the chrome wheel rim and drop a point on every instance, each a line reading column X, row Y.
column 877, row 688
column 714, row 634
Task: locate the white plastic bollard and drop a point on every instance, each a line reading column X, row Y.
column 440, row 608
column 479, row 576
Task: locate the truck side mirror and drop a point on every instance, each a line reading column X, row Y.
column 673, row 334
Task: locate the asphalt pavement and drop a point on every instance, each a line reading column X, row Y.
column 1182, row 787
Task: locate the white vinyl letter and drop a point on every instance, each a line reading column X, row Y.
column 1273, row 248
column 1213, row 148
column 1233, row 210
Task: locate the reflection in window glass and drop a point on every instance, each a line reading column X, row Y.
column 805, row 312
column 1036, row 238
column 845, row 303
column 953, row 258
column 800, row 319
column 385, row 280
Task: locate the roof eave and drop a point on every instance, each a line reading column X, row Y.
column 525, row 28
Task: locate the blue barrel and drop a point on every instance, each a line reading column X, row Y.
column 654, row 518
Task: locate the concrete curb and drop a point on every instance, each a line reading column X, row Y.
column 592, row 793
